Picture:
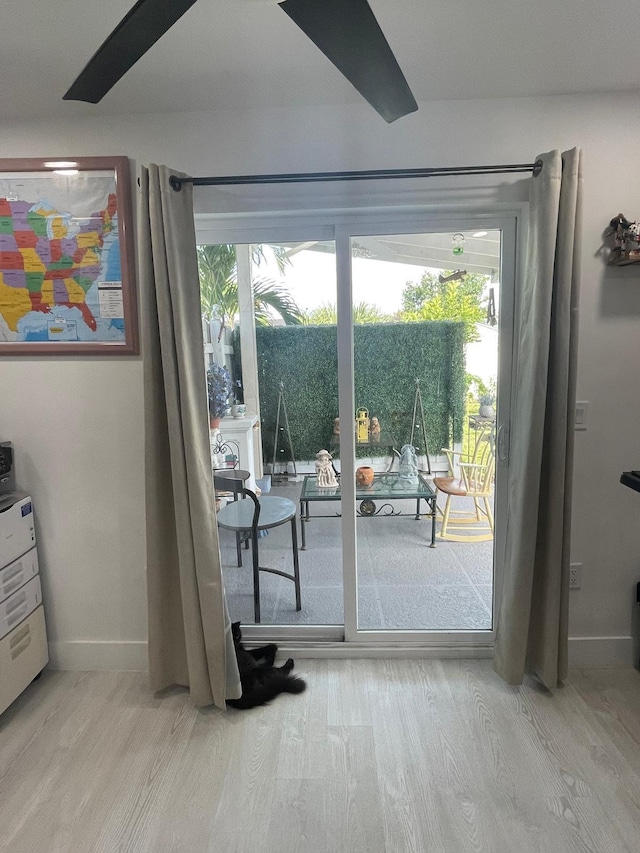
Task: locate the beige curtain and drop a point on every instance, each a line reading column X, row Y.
column 189, row 631
column 532, row 626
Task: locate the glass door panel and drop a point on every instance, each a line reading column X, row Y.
column 269, row 314
column 425, row 315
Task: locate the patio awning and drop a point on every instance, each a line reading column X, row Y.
column 481, row 253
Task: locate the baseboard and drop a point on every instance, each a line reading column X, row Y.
column 85, row 655
column 601, row 651
column 354, row 651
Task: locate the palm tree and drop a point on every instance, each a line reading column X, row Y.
column 363, row 312
column 218, row 271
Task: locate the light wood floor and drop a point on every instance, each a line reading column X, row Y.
column 376, row 756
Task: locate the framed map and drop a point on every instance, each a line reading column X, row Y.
column 66, row 257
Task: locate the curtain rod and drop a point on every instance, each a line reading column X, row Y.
column 371, row 174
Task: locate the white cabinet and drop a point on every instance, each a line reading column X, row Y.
column 236, row 437
column 19, row 605
column 23, row 655
column 23, row 639
column 17, row 573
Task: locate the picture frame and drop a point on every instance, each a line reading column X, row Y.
column 67, row 278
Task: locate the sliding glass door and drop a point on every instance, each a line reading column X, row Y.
column 375, row 358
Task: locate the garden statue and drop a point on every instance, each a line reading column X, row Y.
column 336, row 426
column 374, row 429
column 408, row 466
column 325, row 471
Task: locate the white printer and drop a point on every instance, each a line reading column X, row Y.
column 23, row 639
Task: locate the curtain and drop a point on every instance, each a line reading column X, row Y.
column 532, row 624
column 190, row 641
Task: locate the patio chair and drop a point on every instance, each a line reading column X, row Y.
column 247, row 519
column 476, row 483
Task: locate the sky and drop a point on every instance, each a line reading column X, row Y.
column 311, row 280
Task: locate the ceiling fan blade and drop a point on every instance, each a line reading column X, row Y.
column 139, row 30
column 347, row 32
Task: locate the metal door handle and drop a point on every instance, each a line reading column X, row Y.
column 502, row 442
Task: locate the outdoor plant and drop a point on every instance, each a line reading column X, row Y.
column 218, row 272
column 218, row 390
column 305, row 359
column 237, row 395
column 484, row 394
column 487, row 399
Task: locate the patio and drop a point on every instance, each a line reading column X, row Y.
column 402, row 583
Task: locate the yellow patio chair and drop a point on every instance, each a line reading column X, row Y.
column 475, row 482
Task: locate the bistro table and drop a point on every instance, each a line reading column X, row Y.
column 235, row 475
column 385, row 487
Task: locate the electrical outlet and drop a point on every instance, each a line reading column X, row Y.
column 580, row 417
column 575, row 575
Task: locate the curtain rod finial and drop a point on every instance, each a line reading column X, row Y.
column 176, row 183
column 537, row 168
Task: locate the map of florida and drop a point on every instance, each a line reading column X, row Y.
column 46, row 260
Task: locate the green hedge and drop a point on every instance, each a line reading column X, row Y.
column 388, row 359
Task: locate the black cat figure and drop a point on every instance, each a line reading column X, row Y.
column 261, row 681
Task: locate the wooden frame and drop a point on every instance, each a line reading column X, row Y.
column 67, row 282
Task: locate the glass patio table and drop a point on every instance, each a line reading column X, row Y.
column 384, row 439
column 385, row 487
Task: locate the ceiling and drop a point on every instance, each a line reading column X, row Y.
column 248, row 53
column 481, row 250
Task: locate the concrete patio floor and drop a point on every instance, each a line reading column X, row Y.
column 402, row 583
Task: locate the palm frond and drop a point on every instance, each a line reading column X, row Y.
column 218, row 272
column 280, row 255
column 269, row 297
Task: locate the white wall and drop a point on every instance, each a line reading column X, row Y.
column 77, row 424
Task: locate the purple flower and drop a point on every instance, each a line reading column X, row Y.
column 218, row 390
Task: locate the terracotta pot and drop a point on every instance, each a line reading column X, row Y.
column 214, row 423
column 364, row 475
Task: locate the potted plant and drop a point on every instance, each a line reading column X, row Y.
column 238, row 408
column 487, row 402
column 218, row 391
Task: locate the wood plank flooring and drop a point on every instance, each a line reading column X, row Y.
column 377, row 755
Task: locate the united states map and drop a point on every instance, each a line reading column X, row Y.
column 52, row 266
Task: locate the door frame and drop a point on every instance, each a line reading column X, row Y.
column 340, row 226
